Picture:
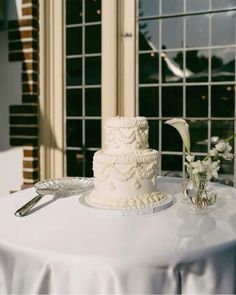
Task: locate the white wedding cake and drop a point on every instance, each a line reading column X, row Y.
column 126, row 170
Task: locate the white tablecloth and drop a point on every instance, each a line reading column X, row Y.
column 62, row 247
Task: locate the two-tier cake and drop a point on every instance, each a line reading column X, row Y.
column 126, row 170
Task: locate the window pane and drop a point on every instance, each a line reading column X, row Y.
column 89, row 163
column 73, row 41
column 172, row 165
column 222, row 100
column 93, row 70
column 74, row 102
column 217, row 4
column 74, row 71
column 93, row 133
column 73, row 12
column 172, row 101
column 197, row 66
column 82, row 101
column 199, row 5
column 149, row 35
column 197, row 30
column 74, row 133
column 149, row 65
column 199, row 136
column 92, row 10
column 172, row 66
column 172, row 6
column 197, row 101
column 92, row 39
column 74, row 163
column 148, row 7
column 170, row 25
column 93, row 102
column 222, row 129
column 223, row 28
column 153, row 133
column 223, row 64
column 226, row 173
column 148, row 101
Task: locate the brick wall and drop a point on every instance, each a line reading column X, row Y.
column 23, row 40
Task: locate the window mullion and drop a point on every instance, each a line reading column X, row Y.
column 127, row 58
column 109, row 60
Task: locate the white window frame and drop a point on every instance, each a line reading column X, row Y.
column 126, row 28
column 51, row 101
column 109, row 61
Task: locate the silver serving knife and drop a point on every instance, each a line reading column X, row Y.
column 24, row 209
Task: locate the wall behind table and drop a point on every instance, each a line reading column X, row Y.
column 10, row 93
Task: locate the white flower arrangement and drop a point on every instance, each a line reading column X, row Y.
column 210, row 165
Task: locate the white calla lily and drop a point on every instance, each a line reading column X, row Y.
column 182, row 127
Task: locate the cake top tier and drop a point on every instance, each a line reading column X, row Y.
column 126, row 133
column 126, row 122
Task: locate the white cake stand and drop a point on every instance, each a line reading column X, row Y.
column 169, row 201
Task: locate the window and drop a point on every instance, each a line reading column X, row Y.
column 83, row 85
column 186, row 68
column 164, row 59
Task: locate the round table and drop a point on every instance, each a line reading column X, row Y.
column 62, row 247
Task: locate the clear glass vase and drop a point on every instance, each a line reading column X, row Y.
column 200, row 194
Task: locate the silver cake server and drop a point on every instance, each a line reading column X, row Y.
column 63, row 187
column 25, row 208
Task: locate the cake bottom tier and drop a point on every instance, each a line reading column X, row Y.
column 126, row 202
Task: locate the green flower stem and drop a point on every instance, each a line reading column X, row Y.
column 201, row 197
column 229, row 138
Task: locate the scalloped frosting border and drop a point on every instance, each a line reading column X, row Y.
column 126, row 202
column 135, row 157
column 125, row 166
column 119, row 136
